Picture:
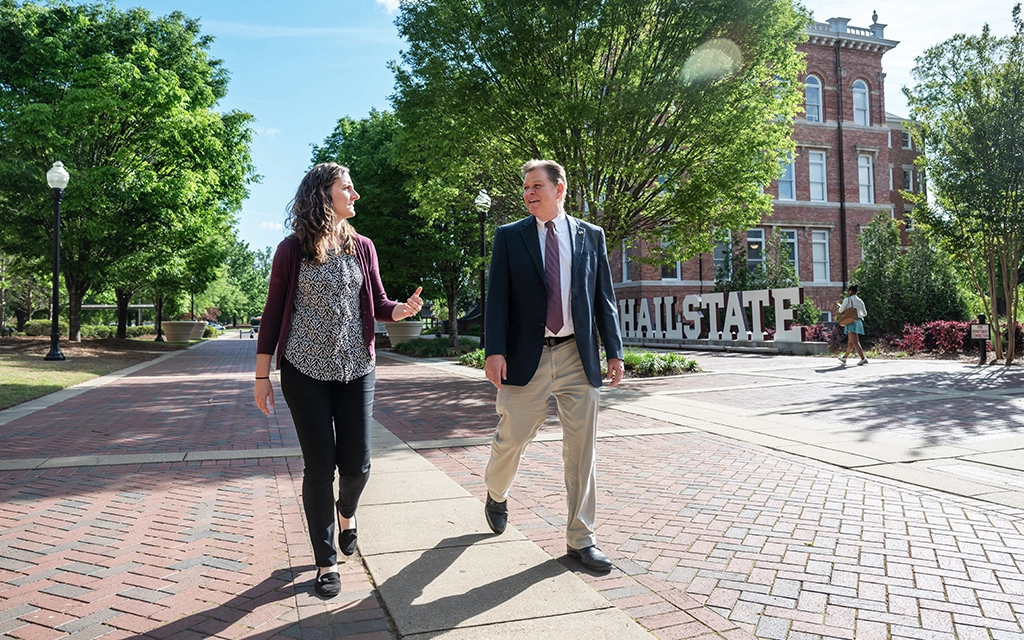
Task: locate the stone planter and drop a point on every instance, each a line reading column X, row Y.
column 177, row 330
column 197, row 331
column 399, row 332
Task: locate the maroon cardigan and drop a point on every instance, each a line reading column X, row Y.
column 284, row 281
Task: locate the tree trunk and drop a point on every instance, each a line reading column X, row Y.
column 997, row 333
column 123, row 299
column 158, row 309
column 77, row 288
column 452, row 295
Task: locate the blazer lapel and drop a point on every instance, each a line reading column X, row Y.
column 528, row 230
column 579, row 238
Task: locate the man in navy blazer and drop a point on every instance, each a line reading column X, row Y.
column 550, row 296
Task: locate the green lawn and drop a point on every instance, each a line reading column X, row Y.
column 25, row 375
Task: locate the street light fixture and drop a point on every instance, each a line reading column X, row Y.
column 483, row 205
column 57, row 177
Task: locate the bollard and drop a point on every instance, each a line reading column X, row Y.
column 982, row 342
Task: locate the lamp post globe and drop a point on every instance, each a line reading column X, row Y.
column 483, row 205
column 57, row 177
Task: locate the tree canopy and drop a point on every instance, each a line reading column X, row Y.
column 669, row 116
column 968, row 114
column 126, row 101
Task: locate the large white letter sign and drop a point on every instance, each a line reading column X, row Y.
column 756, row 300
column 691, row 315
column 713, row 301
column 785, row 314
column 734, row 317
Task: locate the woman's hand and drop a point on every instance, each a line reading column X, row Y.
column 410, row 308
column 264, row 393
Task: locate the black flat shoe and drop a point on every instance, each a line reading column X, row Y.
column 591, row 557
column 347, row 541
column 328, row 585
column 496, row 514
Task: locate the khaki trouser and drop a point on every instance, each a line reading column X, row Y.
column 522, row 410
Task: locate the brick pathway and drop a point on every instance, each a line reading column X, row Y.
column 712, row 537
column 211, row 548
column 779, row 545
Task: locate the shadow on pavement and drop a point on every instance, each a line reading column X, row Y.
column 401, row 591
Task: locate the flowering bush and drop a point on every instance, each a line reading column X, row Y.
column 913, row 339
column 947, row 336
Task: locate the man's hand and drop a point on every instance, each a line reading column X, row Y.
column 495, row 369
column 616, row 369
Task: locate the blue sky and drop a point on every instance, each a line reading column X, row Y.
column 299, row 67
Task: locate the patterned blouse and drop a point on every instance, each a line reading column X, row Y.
column 326, row 337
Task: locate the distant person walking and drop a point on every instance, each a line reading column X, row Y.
column 325, row 292
column 856, row 328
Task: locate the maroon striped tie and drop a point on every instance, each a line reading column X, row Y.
column 553, row 278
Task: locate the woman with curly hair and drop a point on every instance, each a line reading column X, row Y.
column 325, row 293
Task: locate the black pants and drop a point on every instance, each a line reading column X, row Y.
column 332, row 420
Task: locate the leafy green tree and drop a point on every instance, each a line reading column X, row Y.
column 668, row 116
column 126, row 101
column 900, row 287
column 241, row 288
column 28, row 286
column 385, row 209
column 968, row 108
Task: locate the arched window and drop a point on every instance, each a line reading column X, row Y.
column 812, row 99
column 860, row 103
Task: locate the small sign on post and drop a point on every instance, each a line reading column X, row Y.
column 979, row 334
column 979, row 331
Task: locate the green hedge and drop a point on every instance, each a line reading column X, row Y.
column 435, row 348
column 638, row 364
column 43, row 327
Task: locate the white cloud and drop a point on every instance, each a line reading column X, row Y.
column 390, row 5
column 263, row 32
column 272, row 226
column 270, row 132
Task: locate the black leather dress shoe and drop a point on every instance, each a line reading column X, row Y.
column 591, row 557
column 497, row 514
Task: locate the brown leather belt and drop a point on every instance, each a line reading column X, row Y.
column 552, row 342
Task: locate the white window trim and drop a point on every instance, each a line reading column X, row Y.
column 625, row 265
column 755, row 230
column 910, row 141
column 824, row 175
column 820, row 87
column 866, row 92
column 824, row 243
column 871, row 179
column 908, row 185
column 795, row 245
column 791, row 169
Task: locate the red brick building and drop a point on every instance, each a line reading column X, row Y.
column 851, row 160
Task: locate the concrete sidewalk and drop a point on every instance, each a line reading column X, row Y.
column 771, row 497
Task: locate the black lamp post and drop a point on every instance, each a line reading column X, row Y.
column 57, row 177
column 483, row 205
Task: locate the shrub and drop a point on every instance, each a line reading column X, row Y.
column 474, row 359
column 913, row 340
column 138, row 332
column 646, row 364
column 946, row 336
column 423, row 348
column 43, row 328
column 210, row 332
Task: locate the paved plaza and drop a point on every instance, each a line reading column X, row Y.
column 767, row 497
